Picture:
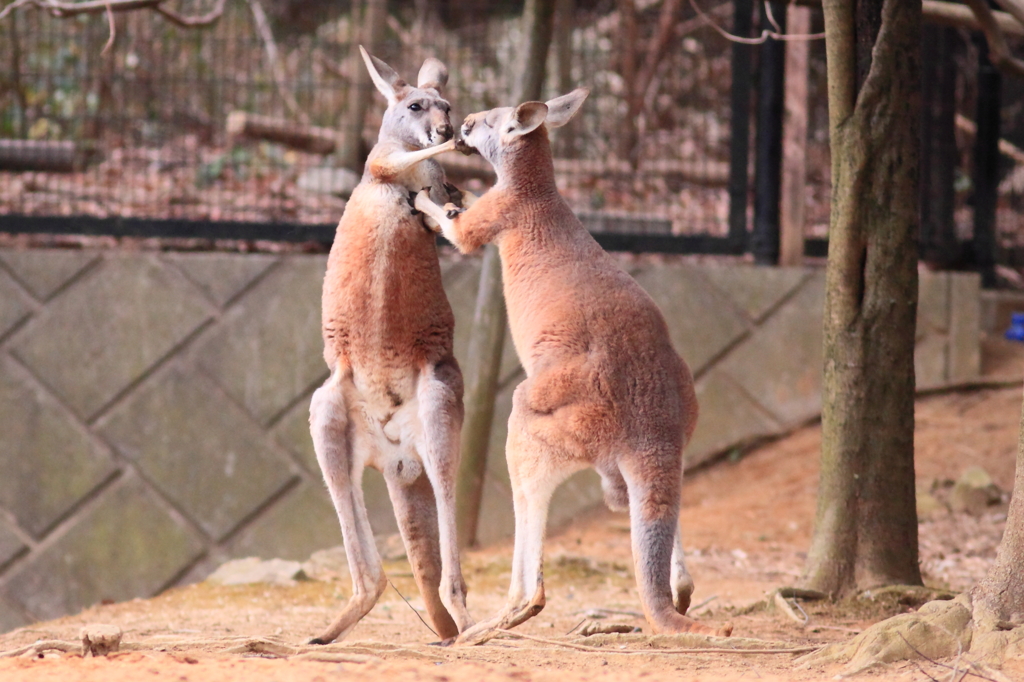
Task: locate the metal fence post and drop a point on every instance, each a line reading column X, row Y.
column 986, row 165
column 938, row 145
column 739, row 143
column 768, row 151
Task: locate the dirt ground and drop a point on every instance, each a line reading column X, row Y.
column 747, row 524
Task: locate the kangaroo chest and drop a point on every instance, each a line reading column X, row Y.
column 385, row 313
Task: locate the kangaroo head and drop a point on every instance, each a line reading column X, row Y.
column 492, row 132
column 416, row 116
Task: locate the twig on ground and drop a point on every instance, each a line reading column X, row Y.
column 925, row 672
column 42, row 645
column 783, row 605
column 699, row 650
column 576, row 627
column 413, row 610
column 604, row 613
column 702, row 604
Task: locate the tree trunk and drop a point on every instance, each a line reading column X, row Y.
column 486, row 345
column 865, row 531
column 564, row 140
column 373, row 20
column 538, row 26
column 1000, row 596
column 487, row 337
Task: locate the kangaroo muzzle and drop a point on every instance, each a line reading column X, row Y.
column 444, row 131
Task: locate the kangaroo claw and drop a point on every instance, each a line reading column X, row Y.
column 451, row 210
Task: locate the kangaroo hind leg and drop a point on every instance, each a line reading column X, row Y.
column 663, row 582
column 416, row 513
column 440, row 411
column 682, row 583
column 333, row 440
column 535, row 472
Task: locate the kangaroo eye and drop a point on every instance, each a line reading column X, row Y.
column 415, row 107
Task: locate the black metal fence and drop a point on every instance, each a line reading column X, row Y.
column 130, row 132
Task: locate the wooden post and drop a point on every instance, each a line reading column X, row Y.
column 794, row 140
column 487, row 338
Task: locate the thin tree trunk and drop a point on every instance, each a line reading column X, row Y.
column 538, row 27
column 628, row 36
column 865, row 531
column 486, row 345
column 564, row 141
column 1000, row 595
column 373, row 20
column 487, row 337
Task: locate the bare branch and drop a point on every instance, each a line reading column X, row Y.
column 960, row 16
column 63, row 10
column 113, row 31
column 1006, row 148
column 1014, row 8
column 276, row 68
column 998, row 49
column 192, row 22
column 656, row 47
column 765, row 34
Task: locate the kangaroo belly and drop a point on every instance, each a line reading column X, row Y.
column 384, row 306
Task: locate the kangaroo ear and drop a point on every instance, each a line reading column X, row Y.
column 526, row 118
column 562, row 109
column 433, row 74
column 384, row 77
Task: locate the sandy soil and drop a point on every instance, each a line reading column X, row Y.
column 747, row 524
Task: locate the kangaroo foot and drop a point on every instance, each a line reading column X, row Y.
column 676, row 624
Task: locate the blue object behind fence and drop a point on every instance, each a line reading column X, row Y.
column 1016, row 330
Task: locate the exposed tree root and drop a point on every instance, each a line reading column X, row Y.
column 938, row 630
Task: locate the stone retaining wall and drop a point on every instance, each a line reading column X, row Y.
column 153, row 406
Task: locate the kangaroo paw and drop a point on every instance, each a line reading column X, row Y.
column 412, row 203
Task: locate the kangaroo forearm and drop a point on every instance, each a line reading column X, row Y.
column 388, row 167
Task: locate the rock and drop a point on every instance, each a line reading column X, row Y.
column 337, row 181
column 255, row 570
column 390, row 547
column 100, row 640
column 973, row 492
column 928, row 506
column 597, row 628
column 332, row 563
column 327, row 564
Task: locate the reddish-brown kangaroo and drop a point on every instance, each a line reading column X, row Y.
column 604, row 388
column 394, row 397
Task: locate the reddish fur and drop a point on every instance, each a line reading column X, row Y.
column 603, row 388
column 372, row 317
column 394, row 398
column 587, row 334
